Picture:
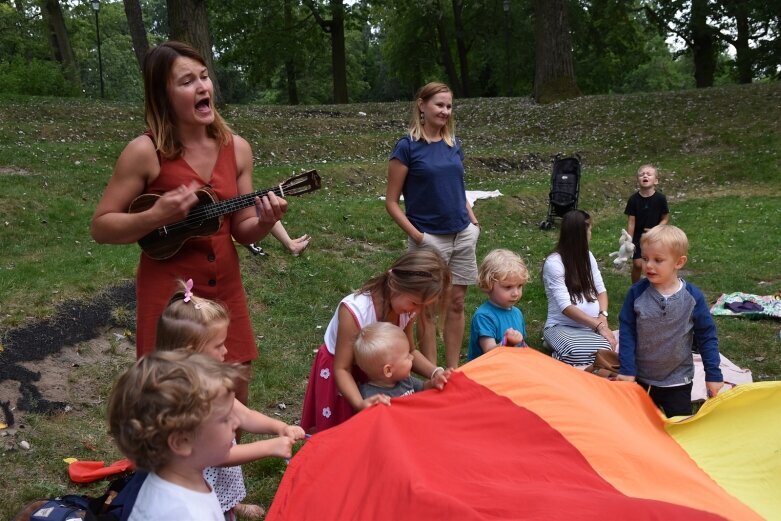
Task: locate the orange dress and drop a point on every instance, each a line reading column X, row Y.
column 212, row 262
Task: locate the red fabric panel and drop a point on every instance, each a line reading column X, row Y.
column 475, row 455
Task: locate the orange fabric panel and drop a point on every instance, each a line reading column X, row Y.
column 614, row 425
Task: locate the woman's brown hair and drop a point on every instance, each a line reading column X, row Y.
column 422, row 273
column 574, row 252
column 160, row 117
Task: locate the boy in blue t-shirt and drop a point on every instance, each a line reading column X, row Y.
column 497, row 321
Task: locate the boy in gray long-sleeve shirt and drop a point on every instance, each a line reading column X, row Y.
column 662, row 318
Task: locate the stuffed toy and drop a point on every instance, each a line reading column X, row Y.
column 625, row 249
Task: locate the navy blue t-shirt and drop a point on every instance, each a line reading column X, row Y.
column 434, row 192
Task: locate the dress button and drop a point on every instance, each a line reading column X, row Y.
column 211, row 257
column 212, row 282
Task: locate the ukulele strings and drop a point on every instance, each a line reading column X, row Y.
column 211, row 210
column 215, row 209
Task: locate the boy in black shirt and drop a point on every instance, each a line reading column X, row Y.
column 646, row 208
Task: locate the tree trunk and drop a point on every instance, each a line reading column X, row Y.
column 444, row 49
column 554, row 73
column 743, row 53
column 335, row 27
column 135, row 22
column 188, row 22
column 338, row 53
column 290, row 64
column 703, row 45
column 458, row 8
column 59, row 39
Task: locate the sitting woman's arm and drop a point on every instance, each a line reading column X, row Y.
column 556, row 290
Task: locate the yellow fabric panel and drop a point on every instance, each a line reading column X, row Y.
column 614, row 425
column 736, row 438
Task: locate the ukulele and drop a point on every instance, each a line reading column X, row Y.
column 205, row 218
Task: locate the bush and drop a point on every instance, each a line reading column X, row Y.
column 36, row 78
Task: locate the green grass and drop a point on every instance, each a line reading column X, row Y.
column 719, row 152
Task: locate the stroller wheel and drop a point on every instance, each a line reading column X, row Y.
column 546, row 225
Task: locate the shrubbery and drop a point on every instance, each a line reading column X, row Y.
column 36, row 78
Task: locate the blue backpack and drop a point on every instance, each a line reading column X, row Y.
column 114, row 505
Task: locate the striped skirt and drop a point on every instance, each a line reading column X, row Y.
column 573, row 345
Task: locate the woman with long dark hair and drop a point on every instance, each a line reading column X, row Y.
column 577, row 324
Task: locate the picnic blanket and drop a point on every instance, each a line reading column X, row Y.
column 518, row 435
column 740, row 304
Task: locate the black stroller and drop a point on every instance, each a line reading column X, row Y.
column 564, row 188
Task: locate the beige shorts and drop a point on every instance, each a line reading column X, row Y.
column 459, row 251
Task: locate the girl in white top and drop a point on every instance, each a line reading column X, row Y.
column 417, row 281
column 577, row 324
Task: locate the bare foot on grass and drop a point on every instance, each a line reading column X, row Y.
column 297, row 246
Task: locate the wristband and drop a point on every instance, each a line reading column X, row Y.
column 596, row 328
column 435, row 371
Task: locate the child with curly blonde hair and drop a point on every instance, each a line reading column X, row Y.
column 172, row 414
column 497, row 321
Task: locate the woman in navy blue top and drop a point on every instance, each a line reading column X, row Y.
column 427, row 168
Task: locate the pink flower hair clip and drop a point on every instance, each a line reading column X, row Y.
column 188, row 290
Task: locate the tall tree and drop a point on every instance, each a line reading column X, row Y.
column 703, row 44
column 554, row 73
column 188, row 21
column 610, row 40
column 689, row 21
column 135, row 22
column 748, row 26
column 437, row 14
column 59, row 38
column 461, row 46
column 335, row 28
column 290, row 63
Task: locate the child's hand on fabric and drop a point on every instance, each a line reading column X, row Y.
column 625, row 378
column 374, row 400
column 439, row 378
column 713, row 388
column 293, row 431
column 513, row 337
column 282, row 446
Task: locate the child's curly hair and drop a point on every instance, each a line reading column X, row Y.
column 498, row 265
column 186, row 323
column 161, row 394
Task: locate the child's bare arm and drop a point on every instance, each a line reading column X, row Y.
column 280, row 447
column 665, row 219
column 487, row 343
column 258, row 423
column 630, row 225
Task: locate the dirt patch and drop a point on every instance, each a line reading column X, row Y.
column 10, row 170
column 42, row 363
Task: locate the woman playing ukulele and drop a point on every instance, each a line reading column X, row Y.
column 187, row 145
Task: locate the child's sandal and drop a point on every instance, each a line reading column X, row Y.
column 248, row 511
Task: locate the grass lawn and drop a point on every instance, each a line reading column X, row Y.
column 718, row 151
